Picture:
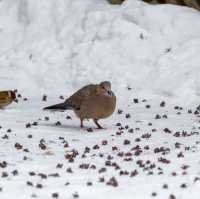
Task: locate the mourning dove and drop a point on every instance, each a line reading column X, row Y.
column 94, row 101
column 6, row 98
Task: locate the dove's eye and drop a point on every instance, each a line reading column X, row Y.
column 103, row 88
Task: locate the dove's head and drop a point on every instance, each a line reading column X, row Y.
column 105, row 88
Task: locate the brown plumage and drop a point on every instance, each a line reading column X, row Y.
column 94, row 101
column 6, row 98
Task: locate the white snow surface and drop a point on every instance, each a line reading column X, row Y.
column 54, row 47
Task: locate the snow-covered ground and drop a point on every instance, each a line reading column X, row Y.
column 54, row 47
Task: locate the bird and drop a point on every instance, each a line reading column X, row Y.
column 93, row 101
column 6, row 98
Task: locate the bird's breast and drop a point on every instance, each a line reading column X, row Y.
column 97, row 107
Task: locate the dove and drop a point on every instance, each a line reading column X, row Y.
column 93, row 101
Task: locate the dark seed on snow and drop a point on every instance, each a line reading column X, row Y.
column 174, row 174
column 89, row 183
column 4, row 174
column 196, row 179
column 39, row 186
column 3, row 164
column 42, row 175
column 29, row 183
column 96, row 147
column 103, row 169
column 164, row 160
column 28, row 125
column 69, row 170
column 66, row 145
column 126, row 127
column 46, row 118
column 59, row 165
column 135, row 100
column 32, row 173
column 54, row 175
column 30, row 136
column 126, row 142
column 164, row 116
column 119, row 111
column 92, row 167
column 18, row 146
column 133, row 173
column 112, row 182
column 166, row 130
column 154, row 194
column 35, row 123
column 76, row 195
column 44, row 98
column 172, row 196
column 146, row 147
column 42, row 146
column 26, row 150
column 25, row 158
column 162, row 104
column 146, row 135
column 180, row 155
column 55, row 195
column 165, row 186
column 104, row 142
column 128, row 115
column 15, row 172
column 33, row 195
column 130, row 130
column 89, row 130
column 101, row 179
column 58, row 123
column 183, row 185
column 68, row 117
column 87, row 150
column 137, row 140
column 157, row 117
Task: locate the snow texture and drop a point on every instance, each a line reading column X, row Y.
column 149, row 52
column 77, row 42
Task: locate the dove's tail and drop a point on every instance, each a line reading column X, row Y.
column 58, row 107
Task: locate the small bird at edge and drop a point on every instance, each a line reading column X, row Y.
column 6, row 98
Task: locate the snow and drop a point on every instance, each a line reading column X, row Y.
column 54, row 47
column 72, row 43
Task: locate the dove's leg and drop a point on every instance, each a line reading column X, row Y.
column 98, row 125
column 82, row 126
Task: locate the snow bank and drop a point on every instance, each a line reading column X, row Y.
column 54, row 46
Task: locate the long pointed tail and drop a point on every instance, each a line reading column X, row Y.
column 57, row 107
